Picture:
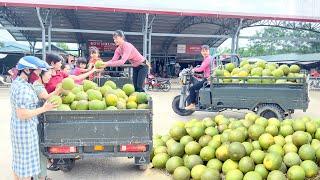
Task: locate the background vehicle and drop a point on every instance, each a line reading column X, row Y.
column 155, row 83
column 267, row 100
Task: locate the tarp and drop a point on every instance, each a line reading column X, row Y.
column 299, row 10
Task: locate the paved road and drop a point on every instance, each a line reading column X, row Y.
column 119, row 168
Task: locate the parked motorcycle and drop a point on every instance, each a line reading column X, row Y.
column 153, row 83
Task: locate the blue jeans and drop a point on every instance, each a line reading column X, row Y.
column 197, row 86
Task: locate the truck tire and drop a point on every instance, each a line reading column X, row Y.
column 270, row 111
column 67, row 166
column 177, row 110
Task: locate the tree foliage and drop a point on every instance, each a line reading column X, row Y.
column 63, row 46
column 272, row 42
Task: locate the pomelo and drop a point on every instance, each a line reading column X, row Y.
column 68, row 84
column 272, row 161
column 176, row 149
column 291, row 159
column 192, row 160
column 246, row 164
column 181, row 173
column 173, row 163
column 257, row 156
column 160, row 160
column 236, row 151
column 111, row 84
column 296, row 173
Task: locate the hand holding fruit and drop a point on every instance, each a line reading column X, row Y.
column 58, row 90
column 99, row 64
column 49, row 106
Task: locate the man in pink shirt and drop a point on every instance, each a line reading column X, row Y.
column 128, row 52
column 205, row 68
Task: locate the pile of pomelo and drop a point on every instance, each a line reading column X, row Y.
column 260, row 72
column 253, row 148
column 89, row 96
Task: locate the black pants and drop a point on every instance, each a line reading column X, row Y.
column 139, row 76
column 193, row 90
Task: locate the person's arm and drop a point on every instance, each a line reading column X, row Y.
column 204, row 65
column 25, row 114
column 45, row 95
column 90, row 66
column 85, row 70
column 125, row 56
column 83, row 76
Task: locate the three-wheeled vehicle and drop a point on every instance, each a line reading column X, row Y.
column 66, row 136
column 267, row 100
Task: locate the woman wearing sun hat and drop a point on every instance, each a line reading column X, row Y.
column 24, row 121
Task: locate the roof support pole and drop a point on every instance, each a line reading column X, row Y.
column 49, row 34
column 149, row 39
column 43, row 35
column 235, row 38
column 145, row 35
column 33, row 46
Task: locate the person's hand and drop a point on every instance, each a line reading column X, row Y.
column 58, row 90
column 48, row 106
column 94, row 69
column 149, row 65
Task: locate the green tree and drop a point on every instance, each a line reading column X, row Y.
column 271, row 42
column 63, row 46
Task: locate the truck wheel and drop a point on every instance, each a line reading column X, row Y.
column 177, row 110
column 67, row 166
column 270, row 111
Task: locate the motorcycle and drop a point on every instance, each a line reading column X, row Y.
column 187, row 78
column 154, row 83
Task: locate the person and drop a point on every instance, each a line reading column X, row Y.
column 58, row 75
column 80, row 68
column 129, row 53
column 24, row 121
column 205, row 68
column 94, row 54
column 71, row 62
column 13, row 73
column 43, row 95
column 177, row 69
column 66, row 68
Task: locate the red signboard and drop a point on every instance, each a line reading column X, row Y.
column 193, row 49
column 102, row 46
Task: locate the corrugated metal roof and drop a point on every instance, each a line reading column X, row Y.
column 109, row 21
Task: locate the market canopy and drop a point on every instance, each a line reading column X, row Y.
column 202, row 17
column 301, row 10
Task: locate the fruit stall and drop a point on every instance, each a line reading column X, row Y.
column 93, row 121
column 250, row 148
